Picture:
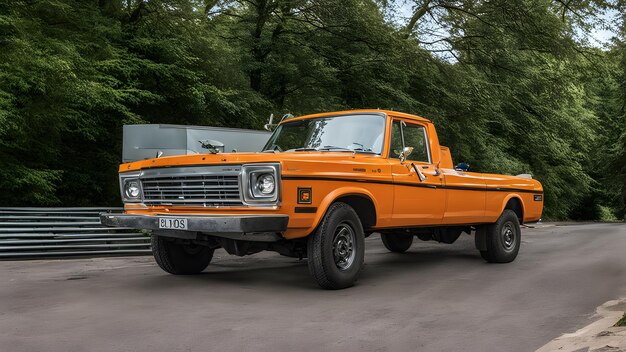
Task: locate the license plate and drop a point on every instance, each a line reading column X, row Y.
column 173, row 223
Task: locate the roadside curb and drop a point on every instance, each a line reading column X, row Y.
column 599, row 336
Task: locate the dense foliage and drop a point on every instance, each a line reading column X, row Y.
column 515, row 86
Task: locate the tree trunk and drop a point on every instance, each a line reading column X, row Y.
column 419, row 13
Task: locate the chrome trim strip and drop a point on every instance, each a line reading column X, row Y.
column 182, row 171
column 217, row 225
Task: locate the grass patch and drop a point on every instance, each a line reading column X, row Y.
column 622, row 322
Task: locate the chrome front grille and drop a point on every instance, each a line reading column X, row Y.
column 192, row 186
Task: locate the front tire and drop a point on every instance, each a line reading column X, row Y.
column 180, row 259
column 337, row 249
column 397, row 242
column 503, row 239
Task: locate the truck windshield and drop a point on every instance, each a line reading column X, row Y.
column 359, row 133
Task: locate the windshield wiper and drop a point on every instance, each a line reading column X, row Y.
column 329, row 147
column 361, row 150
column 342, row 149
column 324, row 148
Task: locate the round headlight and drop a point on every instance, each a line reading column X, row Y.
column 266, row 184
column 131, row 189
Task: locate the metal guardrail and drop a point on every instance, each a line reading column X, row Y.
column 54, row 232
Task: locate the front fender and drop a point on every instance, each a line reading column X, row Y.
column 326, row 202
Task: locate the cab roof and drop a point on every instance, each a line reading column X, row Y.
column 361, row 111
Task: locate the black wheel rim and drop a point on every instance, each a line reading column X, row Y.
column 343, row 246
column 509, row 237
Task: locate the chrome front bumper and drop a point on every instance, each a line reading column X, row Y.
column 246, row 227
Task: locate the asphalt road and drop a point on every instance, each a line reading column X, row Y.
column 435, row 298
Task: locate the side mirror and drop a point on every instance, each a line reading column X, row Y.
column 405, row 153
column 269, row 126
column 462, row 167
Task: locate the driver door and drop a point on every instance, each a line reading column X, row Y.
column 416, row 202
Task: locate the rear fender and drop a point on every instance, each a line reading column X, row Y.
column 521, row 201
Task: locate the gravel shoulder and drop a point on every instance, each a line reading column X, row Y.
column 601, row 335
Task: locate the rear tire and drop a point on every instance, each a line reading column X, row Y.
column 503, row 239
column 397, row 242
column 337, row 249
column 180, row 259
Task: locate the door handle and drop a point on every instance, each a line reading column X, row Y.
column 419, row 172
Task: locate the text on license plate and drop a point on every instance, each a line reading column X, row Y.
column 173, row 223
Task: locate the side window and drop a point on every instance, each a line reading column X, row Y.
column 414, row 136
column 396, row 141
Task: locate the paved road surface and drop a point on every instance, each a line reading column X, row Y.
column 434, row 298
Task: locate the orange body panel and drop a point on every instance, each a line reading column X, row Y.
column 400, row 199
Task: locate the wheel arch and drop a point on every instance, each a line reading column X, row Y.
column 360, row 199
column 514, row 202
column 363, row 206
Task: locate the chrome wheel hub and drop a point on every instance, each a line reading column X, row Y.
column 508, row 236
column 343, row 246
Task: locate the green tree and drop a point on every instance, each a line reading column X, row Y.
column 514, row 86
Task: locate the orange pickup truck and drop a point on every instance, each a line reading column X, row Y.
column 321, row 185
